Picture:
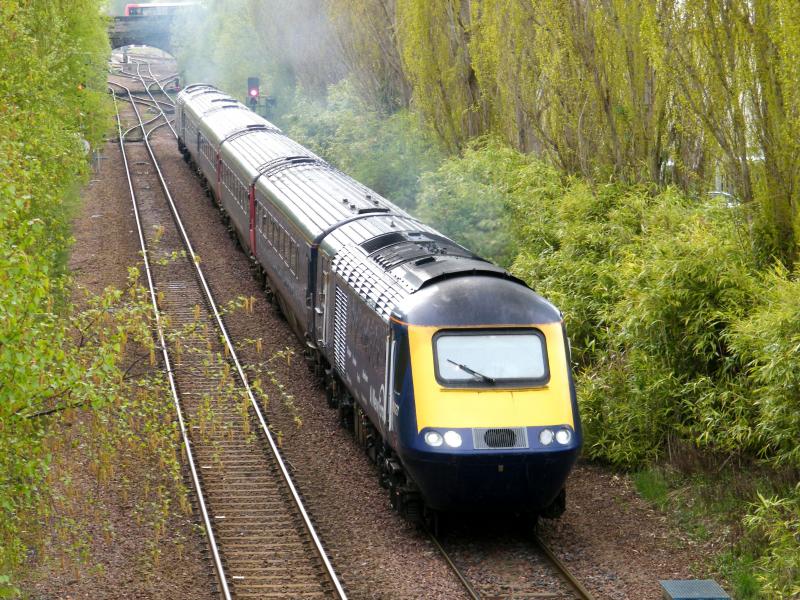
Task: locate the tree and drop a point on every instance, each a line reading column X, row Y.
column 434, row 38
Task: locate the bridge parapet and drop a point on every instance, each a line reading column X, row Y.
column 155, row 31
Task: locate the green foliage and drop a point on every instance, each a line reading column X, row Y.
column 652, row 486
column 678, row 339
column 433, row 37
column 52, row 82
column 386, row 153
column 650, row 286
column 575, row 81
column 778, row 521
column 768, row 342
column 467, row 198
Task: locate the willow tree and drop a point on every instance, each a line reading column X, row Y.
column 577, row 80
column 366, row 31
column 734, row 66
column 434, row 38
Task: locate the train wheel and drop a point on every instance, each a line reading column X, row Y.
column 345, row 409
column 432, row 519
column 330, row 395
column 414, row 510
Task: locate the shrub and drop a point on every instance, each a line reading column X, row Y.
column 388, row 153
column 468, row 198
column 650, row 285
column 777, row 520
column 53, row 60
column 768, row 342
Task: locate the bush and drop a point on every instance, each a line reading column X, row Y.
column 53, row 60
column 571, row 237
column 468, row 198
column 777, row 520
column 768, row 342
column 650, row 286
column 386, row 153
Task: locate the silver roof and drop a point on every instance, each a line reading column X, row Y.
column 319, row 199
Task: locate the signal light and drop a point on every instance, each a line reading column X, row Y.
column 252, row 91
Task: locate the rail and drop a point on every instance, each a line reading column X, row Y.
column 264, row 428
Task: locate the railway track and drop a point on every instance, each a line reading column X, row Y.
column 510, row 567
column 261, row 541
column 521, row 568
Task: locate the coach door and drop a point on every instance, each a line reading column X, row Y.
column 322, row 304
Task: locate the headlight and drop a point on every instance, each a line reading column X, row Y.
column 563, row 436
column 433, row 438
column 452, row 439
column 545, row 437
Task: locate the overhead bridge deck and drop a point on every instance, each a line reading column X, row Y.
column 155, row 31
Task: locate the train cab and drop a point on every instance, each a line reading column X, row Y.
column 483, row 407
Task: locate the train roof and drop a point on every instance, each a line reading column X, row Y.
column 384, row 253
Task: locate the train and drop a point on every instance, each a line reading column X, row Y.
column 453, row 374
column 157, row 9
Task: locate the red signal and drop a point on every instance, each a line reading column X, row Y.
column 252, row 89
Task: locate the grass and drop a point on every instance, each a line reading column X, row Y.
column 709, row 505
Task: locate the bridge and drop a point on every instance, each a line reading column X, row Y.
column 155, row 31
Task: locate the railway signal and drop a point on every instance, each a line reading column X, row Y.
column 253, row 91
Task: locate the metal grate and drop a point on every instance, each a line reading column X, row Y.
column 693, row 589
column 340, row 330
column 505, row 437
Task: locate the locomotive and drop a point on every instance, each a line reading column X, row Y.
column 453, row 375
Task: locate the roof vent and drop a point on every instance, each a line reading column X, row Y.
column 381, row 241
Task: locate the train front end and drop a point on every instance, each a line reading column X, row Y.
column 484, row 411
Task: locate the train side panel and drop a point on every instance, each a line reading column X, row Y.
column 360, row 340
column 283, row 253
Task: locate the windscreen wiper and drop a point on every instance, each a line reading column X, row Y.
column 472, row 372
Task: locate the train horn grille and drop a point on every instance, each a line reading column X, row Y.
column 506, row 437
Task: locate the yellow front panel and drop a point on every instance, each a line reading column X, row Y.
column 438, row 406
